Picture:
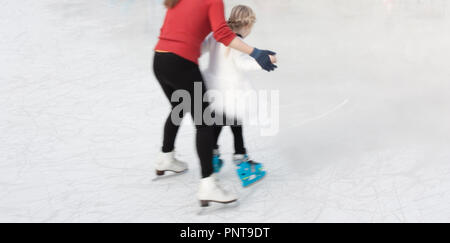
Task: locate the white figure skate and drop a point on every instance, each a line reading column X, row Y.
column 167, row 162
column 211, row 191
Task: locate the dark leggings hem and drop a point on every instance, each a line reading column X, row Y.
column 237, row 130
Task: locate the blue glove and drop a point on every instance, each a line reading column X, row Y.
column 263, row 59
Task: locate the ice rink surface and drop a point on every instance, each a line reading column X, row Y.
column 364, row 114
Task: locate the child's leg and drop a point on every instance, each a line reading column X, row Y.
column 217, row 161
column 248, row 171
column 217, row 131
column 238, row 140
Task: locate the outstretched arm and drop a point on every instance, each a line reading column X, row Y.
column 265, row 59
column 223, row 34
column 241, row 46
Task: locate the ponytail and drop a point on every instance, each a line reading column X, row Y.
column 170, row 3
column 241, row 16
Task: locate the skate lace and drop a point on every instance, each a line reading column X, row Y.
column 253, row 165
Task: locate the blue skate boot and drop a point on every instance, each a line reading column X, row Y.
column 217, row 161
column 248, row 171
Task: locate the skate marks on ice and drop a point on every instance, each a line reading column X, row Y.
column 321, row 116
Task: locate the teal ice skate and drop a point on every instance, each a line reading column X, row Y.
column 217, row 162
column 249, row 171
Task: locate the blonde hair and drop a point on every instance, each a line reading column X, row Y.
column 170, row 3
column 241, row 16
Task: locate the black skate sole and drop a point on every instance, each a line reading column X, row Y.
column 205, row 203
column 161, row 175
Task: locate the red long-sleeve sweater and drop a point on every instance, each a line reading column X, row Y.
column 188, row 23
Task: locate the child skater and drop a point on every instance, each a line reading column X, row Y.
column 226, row 74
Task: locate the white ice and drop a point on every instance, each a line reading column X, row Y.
column 365, row 114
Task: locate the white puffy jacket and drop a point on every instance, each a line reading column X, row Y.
column 226, row 75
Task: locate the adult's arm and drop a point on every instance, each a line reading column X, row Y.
column 221, row 31
column 240, row 45
column 264, row 58
column 223, row 34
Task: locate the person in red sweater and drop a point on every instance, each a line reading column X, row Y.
column 186, row 25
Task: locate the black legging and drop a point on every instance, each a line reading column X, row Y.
column 176, row 73
column 239, row 147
